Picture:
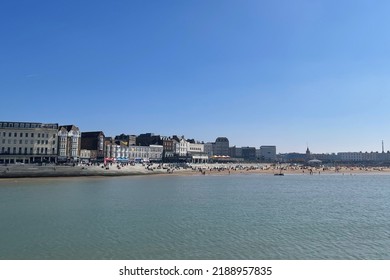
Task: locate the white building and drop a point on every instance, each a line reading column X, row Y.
column 155, row 152
column 181, row 147
column 27, row 142
column 367, row 156
column 137, row 153
column 351, row 156
column 197, row 153
column 69, row 140
column 145, row 153
column 267, row 153
column 85, row 155
column 195, row 148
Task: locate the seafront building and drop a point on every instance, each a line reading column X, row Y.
column 69, row 143
column 249, row 153
column 181, row 146
column 235, row 152
column 364, row 156
column 168, row 149
column 128, row 140
column 151, row 153
column 109, row 149
column 148, row 139
column 208, row 149
column 221, row 147
column 94, row 142
column 155, row 153
column 197, row 153
column 85, row 156
column 28, row 142
column 267, row 153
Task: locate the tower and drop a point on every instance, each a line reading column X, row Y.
column 308, row 154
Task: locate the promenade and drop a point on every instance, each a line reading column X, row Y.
column 27, row 170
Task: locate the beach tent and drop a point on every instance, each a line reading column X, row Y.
column 314, row 162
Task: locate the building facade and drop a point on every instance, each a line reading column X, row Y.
column 181, row 148
column 69, row 143
column 155, row 153
column 197, row 153
column 168, row 149
column 26, row 142
column 93, row 141
column 148, row 139
column 248, row 153
column 152, row 153
column 85, row 156
column 128, row 140
column 208, row 149
column 221, row 147
column 267, row 153
column 235, row 152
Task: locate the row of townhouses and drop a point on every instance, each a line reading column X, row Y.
column 27, row 142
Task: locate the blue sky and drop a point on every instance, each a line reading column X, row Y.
column 285, row 73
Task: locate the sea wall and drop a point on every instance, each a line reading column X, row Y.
column 23, row 171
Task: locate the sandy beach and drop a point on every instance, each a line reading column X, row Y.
column 23, row 171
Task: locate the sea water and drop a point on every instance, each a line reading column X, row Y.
column 196, row 217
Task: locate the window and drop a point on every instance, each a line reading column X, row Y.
column 20, row 141
column 20, row 150
column 42, row 150
column 3, row 141
column 9, row 134
column 4, row 134
column 9, row 141
column 31, row 141
column 47, row 142
column 2, row 150
column 14, row 141
column 31, row 151
column 39, row 142
column 26, row 134
column 32, row 134
column 39, row 135
column 54, row 142
column 21, row 134
column 14, row 150
column 25, row 151
column 25, row 141
column 9, row 150
column 46, row 151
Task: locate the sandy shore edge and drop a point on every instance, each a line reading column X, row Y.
column 29, row 171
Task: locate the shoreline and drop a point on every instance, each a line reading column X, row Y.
column 214, row 169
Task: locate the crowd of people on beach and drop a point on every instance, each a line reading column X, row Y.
column 132, row 168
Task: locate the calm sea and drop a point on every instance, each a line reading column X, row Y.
column 196, row 217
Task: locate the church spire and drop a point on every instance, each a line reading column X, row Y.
column 308, row 154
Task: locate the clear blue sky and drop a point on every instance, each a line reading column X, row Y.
column 259, row 72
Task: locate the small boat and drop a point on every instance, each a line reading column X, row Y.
column 280, row 172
